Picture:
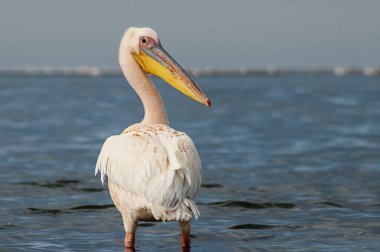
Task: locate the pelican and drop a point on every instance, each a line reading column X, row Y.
column 153, row 171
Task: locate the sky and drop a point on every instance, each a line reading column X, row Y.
column 197, row 33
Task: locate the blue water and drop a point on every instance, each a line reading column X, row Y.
column 291, row 163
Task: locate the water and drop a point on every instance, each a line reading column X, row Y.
column 291, row 163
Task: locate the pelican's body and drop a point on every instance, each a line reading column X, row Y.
column 154, row 171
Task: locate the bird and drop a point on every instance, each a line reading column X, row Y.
column 153, row 171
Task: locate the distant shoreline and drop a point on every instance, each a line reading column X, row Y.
column 269, row 71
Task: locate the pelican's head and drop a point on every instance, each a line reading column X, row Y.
column 146, row 49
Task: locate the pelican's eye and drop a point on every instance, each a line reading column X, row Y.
column 146, row 42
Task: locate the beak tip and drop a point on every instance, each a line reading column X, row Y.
column 208, row 103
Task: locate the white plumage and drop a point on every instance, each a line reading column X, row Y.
column 158, row 165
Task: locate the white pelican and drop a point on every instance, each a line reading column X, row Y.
column 154, row 171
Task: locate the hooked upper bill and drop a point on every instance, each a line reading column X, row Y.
column 153, row 59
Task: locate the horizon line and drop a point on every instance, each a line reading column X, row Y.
column 196, row 71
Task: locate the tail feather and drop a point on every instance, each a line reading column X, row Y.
column 191, row 204
column 184, row 212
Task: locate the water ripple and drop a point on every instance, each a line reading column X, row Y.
column 53, row 184
column 252, row 226
column 84, row 208
column 251, row 205
column 211, row 185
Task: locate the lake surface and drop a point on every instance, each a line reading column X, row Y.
column 290, row 163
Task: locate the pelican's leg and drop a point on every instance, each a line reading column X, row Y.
column 130, row 229
column 185, row 234
column 129, row 240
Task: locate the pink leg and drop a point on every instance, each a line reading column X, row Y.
column 185, row 234
column 185, row 240
column 129, row 240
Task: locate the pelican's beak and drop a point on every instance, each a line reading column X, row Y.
column 158, row 62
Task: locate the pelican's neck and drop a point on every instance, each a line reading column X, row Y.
column 154, row 108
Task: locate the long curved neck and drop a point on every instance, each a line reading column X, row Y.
column 154, row 108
